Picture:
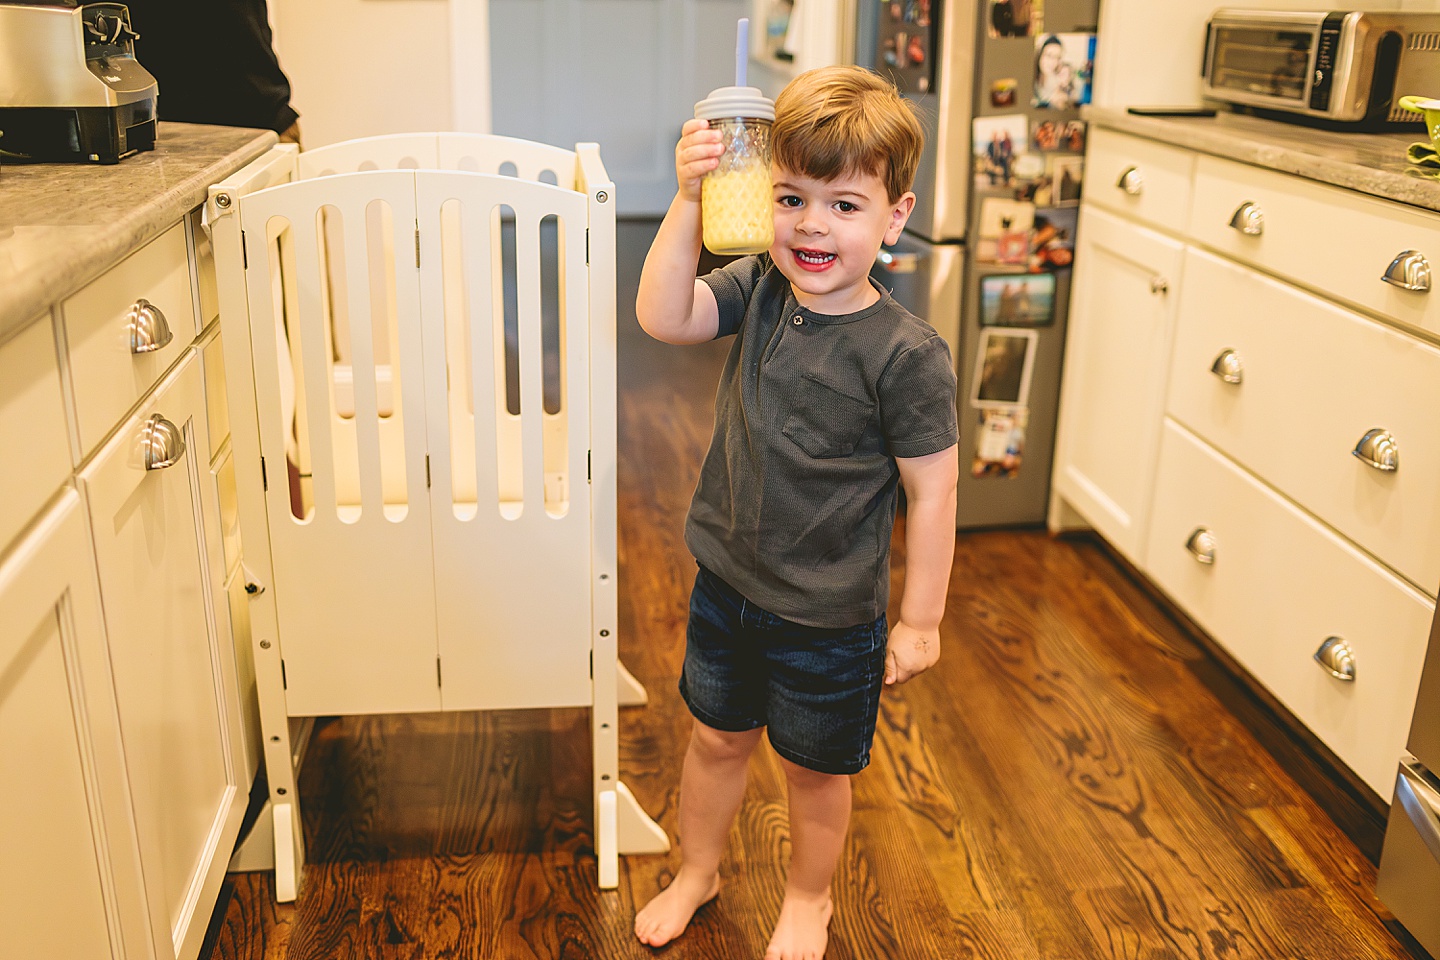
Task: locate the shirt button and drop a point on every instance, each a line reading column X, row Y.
column 798, row 319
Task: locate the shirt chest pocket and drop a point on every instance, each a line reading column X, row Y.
column 825, row 422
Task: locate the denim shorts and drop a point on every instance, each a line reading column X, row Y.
column 817, row 689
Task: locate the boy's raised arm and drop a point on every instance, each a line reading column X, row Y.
column 672, row 305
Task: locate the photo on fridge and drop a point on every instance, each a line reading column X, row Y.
column 1017, row 300
column 998, row 142
column 1064, row 64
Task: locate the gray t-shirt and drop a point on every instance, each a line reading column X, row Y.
column 796, row 499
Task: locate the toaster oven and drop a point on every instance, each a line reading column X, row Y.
column 1343, row 66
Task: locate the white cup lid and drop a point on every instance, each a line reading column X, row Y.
column 735, row 102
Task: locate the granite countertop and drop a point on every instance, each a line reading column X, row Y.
column 64, row 224
column 1372, row 163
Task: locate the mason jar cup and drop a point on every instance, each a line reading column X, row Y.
column 736, row 198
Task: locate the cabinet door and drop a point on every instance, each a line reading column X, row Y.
column 1116, row 357
column 69, row 877
column 174, row 678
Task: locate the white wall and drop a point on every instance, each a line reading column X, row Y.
column 1149, row 51
column 364, row 67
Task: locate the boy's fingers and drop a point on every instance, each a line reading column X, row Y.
column 891, row 669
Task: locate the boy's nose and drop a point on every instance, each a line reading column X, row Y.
column 812, row 224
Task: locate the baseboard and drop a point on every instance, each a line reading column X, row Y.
column 1351, row 803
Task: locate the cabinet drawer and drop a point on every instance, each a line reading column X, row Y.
column 1280, row 584
column 32, row 427
column 1158, row 191
column 109, row 378
column 1331, row 240
column 1315, row 379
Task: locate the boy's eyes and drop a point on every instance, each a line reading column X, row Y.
column 789, row 200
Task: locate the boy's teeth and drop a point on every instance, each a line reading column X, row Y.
column 809, row 257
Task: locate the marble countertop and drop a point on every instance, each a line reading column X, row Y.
column 62, row 225
column 1372, row 163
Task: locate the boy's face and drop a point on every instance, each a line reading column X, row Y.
column 827, row 234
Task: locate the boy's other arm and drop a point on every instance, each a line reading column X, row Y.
column 929, row 481
column 672, row 305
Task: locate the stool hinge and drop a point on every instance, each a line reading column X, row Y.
column 264, row 477
column 439, row 679
column 417, row 245
column 244, row 253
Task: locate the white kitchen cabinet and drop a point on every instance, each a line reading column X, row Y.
column 1288, row 349
column 1307, row 380
column 69, row 886
column 1139, row 178
column 1116, row 357
column 1273, row 586
column 174, row 674
column 125, row 329
column 32, row 427
column 1334, row 241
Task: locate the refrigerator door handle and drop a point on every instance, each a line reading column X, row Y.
column 898, row 261
column 1423, row 816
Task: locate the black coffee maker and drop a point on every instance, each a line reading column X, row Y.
column 71, row 89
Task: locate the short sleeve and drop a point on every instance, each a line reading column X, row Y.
column 733, row 285
column 917, row 400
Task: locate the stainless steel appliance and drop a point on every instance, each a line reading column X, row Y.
column 1409, row 882
column 1348, row 66
column 70, row 87
column 986, row 255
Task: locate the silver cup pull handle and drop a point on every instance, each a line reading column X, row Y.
column 1337, row 658
column 1159, row 285
column 1408, row 271
column 161, row 443
column 1378, row 449
column 1202, row 545
column 1131, row 181
column 149, row 330
column 1229, row 367
column 1249, row 219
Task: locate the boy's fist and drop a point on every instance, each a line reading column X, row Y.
column 697, row 153
column 910, row 652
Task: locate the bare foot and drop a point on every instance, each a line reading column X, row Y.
column 802, row 930
column 666, row 917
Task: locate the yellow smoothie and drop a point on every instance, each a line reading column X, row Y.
column 735, row 215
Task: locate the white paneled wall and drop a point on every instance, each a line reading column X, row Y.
column 1149, row 51
column 360, row 68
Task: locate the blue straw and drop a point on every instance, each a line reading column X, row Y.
column 742, row 53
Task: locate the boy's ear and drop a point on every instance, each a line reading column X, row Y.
column 899, row 214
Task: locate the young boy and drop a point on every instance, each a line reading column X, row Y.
column 831, row 396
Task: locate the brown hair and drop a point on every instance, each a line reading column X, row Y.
column 842, row 121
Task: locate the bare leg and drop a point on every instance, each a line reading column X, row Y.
column 819, row 816
column 711, row 788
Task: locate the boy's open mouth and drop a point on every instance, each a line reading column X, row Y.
column 814, row 259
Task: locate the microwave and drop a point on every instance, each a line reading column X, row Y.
column 1344, row 66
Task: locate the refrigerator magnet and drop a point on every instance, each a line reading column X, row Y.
column 1000, row 442
column 1003, row 364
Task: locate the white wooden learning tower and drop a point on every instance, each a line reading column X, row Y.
column 422, row 327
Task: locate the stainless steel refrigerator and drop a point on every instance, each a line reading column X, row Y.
column 986, row 257
column 1409, row 882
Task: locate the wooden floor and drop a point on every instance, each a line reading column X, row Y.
column 1059, row 786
